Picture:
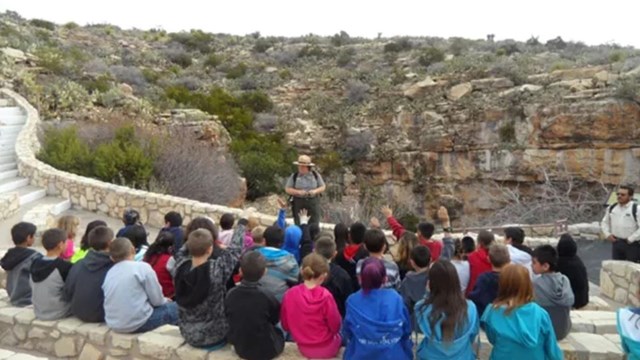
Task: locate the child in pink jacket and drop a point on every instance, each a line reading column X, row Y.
column 310, row 314
column 69, row 224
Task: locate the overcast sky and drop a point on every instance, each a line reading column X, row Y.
column 591, row 22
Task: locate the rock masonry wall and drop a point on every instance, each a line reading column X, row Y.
column 619, row 281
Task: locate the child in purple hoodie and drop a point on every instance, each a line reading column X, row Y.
column 310, row 313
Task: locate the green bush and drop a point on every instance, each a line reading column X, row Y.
column 212, row 61
column 64, row 150
column 340, row 39
column 237, row 71
column 44, row 24
column 628, row 89
column 398, row 46
column 195, row 40
column 183, row 59
column 71, row 25
column 262, row 45
column 312, row 50
column 257, row 101
column 101, row 84
column 431, row 55
column 507, row 132
column 125, row 159
column 51, row 59
column 345, row 56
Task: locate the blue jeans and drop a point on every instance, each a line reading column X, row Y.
column 166, row 314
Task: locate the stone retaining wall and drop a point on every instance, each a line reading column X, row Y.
column 619, row 281
column 9, row 205
column 99, row 196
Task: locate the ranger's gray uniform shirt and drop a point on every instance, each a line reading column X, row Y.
column 306, row 182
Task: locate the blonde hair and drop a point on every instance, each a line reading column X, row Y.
column 253, row 223
column 314, row 266
column 70, row 224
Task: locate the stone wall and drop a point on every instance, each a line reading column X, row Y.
column 98, row 196
column 619, row 281
column 9, row 205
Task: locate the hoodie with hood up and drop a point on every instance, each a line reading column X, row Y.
column 292, row 237
column 17, row 263
column 83, row 288
column 572, row 267
column 312, row 317
column 553, row 292
column 200, row 293
column 478, row 264
column 525, row 334
column 434, row 347
column 348, row 259
column 377, row 326
column 47, row 281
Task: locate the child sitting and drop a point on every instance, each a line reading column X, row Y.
column 486, row 288
column 173, row 225
column 84, row 242
column 133, row 300
column 573, row 268
column 137, row 234
column 83, row 288
column 352, row 253
column 414, row 285
column 376, row 242
column 282, row 267
column 627, row 321
column 552, row 290
column 377, row 324
column 17, row 263
column 253, row 314
column 130, row 217
column 200, row 283
column 48, row 275
column 479, row 259
column 310, row 313
column 226, row 226
column 449, row 323
column 459, row 260
column 338, row 282
column 69, row 224
column 157, row 256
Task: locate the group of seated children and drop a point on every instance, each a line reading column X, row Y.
column 255, row 287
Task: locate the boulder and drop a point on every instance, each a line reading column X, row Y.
column 459, row 91
column 573, row 85
column 420, row 88
column 18, row 56
column 520, row 89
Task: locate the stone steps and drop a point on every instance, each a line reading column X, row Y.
column 12, row 184
column 594, row 322
column 8, row 174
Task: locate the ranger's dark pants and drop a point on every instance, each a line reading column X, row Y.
column 312, row 204
column 623, row 250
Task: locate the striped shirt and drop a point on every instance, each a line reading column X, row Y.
column 393, row 273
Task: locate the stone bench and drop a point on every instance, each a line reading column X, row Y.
column 595, row 322
column 619, row 281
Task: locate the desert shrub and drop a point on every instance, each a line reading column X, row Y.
column 345, row 56
column 71, row 25
column 126, row 159
column 112, row 98
column 628, row 89
column 616, row 56
column 98, row 84
column 43, row 24
column 150, row 75
column 212, row 61
column 507, row 132
column 95, row 67
column 64, row 96
column 330, row 162
column 236, row 71
column 190, row 82
column 257, row 101
column 556, row 44
column 51, row 59
column 533, row 41
column 262, row 45
column 340, row 39
column 265, row 123
column 398, row 46
column 195, row 40
column 431, row 55
column 507, row 48
column 357, row 145
column 459, row 46
column 285, row 57
column 357, row 91
column 630, row 63
column 64, row 150
column 312, row 50
column 179, row 57
column 129, row 75
column 196, row 170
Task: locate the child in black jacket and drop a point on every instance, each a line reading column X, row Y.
column 253, row 314
column 572, row 267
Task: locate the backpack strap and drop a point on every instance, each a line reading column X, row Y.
column 612, row 206
column 295, row 178
column 634, row 211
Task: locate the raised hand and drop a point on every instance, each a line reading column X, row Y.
column 374, row 223
column 304, row 216
column 282, row 203
column 386, row 211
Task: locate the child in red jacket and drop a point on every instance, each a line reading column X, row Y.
column 310, row 314
column 157, row 256
column 479, row 259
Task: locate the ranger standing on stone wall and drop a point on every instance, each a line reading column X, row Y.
column 305, row 187
column 620, row 226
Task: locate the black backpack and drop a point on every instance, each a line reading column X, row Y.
column 634, row 210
